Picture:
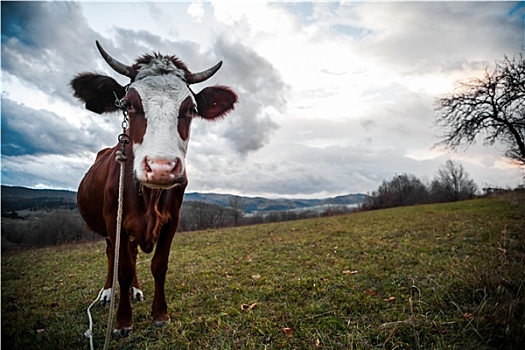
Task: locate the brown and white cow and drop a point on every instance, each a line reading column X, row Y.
column 161, row 106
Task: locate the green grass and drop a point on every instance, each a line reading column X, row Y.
column 446, row 276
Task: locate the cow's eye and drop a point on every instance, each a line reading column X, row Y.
column 192, row 112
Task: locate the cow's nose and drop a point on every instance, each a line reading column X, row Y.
column 163, row 171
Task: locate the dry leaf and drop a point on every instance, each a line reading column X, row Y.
column 317, row 343
column 371, row 292
column 391, row 299
column 287, row 331
column 245, row 307
column 468, row 316
column 245, row 257
column 488, row 319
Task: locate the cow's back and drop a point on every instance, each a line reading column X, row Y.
column 97, row 189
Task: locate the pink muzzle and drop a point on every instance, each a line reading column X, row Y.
column 163, row 172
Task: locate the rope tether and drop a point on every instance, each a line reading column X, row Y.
column 121, row 158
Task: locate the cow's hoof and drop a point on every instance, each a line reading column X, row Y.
column 161, row 321
column 122, row 333
column 105, row 298
column 137, row 294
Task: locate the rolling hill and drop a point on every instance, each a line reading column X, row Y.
column 20, row 198
column 255, row 204
column 438, row 276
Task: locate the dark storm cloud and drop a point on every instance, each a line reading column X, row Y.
column 47, row 171
column 26, row 131
column 16, row 16
column 130, row 44
column 260, row 88
column 45, row 44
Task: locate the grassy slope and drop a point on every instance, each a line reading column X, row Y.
column 452, row 274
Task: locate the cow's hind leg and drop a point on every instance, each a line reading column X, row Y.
column 136, row 292
column 105, row 297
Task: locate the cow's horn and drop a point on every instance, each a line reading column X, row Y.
column 195, row 78
column 113, row 63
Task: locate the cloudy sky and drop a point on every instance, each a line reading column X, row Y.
column 334, row 96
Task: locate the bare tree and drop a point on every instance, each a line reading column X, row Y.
column 492, row 107
column 237, row 204
column 452, row 183
column 402, row 190
column 201, row 216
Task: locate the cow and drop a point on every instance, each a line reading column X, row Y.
column 160, row 105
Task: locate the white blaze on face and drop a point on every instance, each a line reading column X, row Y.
column 162, row 147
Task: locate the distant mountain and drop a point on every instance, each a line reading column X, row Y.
column 255, row 204
column 19, row 198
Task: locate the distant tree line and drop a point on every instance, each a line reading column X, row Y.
column 201, row 216
column 36, row 204
column 451, row 183
column 12, row 215
column 45, row 228
column 59, row 226
column 196, row 215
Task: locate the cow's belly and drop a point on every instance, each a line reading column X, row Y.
column 92, row 191
column 90, row 206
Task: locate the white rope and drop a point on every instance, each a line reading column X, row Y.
column 120, row 159
column 89, row 332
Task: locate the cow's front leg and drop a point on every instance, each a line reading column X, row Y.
column 159, row 267
column 126, row 272
column 136, row 292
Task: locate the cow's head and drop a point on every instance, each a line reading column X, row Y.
column 160, row 106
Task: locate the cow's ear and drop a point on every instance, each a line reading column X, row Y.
column 215, row 102
column 97, row 91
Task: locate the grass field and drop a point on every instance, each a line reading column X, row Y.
column 447, row 276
